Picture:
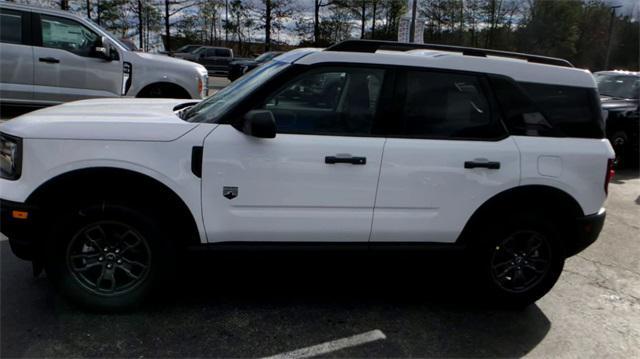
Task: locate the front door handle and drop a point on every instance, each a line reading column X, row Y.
column 477, row 164
column 338, row 159
column 49, row 60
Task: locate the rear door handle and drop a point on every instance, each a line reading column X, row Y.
column 476, row 164
column 49, row 60
column 338, row 159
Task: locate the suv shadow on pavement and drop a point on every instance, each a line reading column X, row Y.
column 260, row 304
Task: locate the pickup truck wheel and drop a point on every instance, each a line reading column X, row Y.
column 108, row 257
column 519, row 262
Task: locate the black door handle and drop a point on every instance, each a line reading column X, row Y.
column 49, row 60
column 489, row 165
column 353, row 160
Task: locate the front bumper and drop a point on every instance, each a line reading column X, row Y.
column 587, row 230
column 22, row 232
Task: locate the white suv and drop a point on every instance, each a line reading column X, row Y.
column 367, row 144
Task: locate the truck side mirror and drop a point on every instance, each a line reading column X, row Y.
column 259, row 123
column 104, row 50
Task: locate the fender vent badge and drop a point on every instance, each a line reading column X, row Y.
column 230, row 192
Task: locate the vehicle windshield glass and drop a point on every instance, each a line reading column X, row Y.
column 108, row 34
column 200, row 50
column 265, row 57
column 211, row 109
column 188, row 48
column 623, row 86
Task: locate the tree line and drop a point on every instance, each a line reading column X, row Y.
column 580, row 31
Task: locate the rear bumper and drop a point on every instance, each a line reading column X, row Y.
column 22, row 232
column 588, row 229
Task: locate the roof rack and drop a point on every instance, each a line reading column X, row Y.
column 372, row 46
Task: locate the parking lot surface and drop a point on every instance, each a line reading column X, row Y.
column 248, row 305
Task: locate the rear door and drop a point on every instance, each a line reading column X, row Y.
column 66, row 67
column 446, row 154
column 316, row 180
column 16, row 57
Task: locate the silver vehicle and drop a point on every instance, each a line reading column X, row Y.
column 48, row 57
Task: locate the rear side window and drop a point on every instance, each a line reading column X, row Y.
column 549, row 110
column 11, row 27
column 445, row 106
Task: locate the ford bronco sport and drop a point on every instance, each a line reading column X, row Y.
column 366, row 143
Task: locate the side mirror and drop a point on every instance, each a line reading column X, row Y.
column 259, row 123
column 104, row 50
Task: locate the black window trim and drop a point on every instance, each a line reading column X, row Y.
column 25, row 25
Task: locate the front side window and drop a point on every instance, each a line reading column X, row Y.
column 444, row 106
column 222, row 53
column 328, row 101
column 64, row 34
column 11, row 27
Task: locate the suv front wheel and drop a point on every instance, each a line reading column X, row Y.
column 108, row 257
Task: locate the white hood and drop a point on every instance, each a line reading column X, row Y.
column 103, row 119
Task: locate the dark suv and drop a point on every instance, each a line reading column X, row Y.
column 620, row 93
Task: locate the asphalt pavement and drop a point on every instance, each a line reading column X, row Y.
column 261, row 305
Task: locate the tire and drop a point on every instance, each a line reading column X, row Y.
column 519, row 260
column 108, row 257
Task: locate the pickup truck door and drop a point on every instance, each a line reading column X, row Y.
column 446, row 155
column 316, row 180
column 65, row 67
column 16, row 57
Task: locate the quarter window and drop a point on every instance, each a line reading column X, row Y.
column 59, row 33
column 444, row 105
column 11, row 28
column 328, row 101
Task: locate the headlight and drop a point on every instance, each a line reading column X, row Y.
column 203, row 85
column 10, row 157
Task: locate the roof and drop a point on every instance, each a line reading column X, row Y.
column 520, row 67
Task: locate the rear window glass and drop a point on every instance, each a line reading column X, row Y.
column 549, row 110
column 446, row 106
column 11, row 28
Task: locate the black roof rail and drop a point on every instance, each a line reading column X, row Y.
column 372, row 46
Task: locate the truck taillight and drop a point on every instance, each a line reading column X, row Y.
column 611, row 171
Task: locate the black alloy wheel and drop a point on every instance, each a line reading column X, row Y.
column 109, row 258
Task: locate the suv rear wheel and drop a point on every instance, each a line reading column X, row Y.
column 108, row 257
column 519, row 260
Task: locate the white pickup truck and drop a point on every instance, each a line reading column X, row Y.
column 365, row 144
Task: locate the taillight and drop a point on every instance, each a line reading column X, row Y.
column 611, row 171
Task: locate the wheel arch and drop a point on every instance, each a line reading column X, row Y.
column 121, row 185
column 553, row 201
column 179, row 90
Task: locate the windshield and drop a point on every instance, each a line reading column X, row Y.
column 188, row 48
column 266, row 56
column 211, row 109
column 623, row 86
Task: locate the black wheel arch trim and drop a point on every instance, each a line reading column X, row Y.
column 523, row 198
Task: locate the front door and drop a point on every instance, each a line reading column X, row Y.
column 316, row 180
column 65, row 66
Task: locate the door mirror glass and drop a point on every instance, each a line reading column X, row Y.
column 259, row 123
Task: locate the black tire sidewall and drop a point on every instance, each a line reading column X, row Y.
column 69, row 222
